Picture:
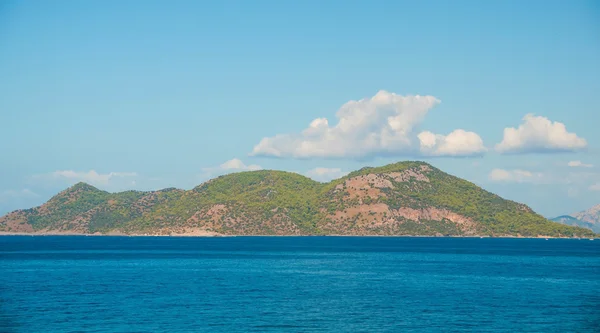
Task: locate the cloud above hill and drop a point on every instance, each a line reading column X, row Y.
column 233, row 165
column 110, row 181
column 238, row 165
column 515, row 176
column 17, row 194
column 325, row 174
column 383, row 125
column 458, row 143
column 91, row 177
column 539, row 134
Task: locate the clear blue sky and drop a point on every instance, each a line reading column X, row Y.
column 150, row 94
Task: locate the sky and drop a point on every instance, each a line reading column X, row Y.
column 152, row 94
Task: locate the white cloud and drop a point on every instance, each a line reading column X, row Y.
column 16, row 199
column 515, row 176
column 13, row 194
column 576, row 164
column 595, row 187
column 539, row 134
column 571, row 179
column 91, row 177
column 385, row 124
column 112, row 181
column 325, row 174
column 457, row 143
column 233, row 165
column 237, row 164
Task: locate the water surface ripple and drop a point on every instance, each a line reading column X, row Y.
column 298, row 284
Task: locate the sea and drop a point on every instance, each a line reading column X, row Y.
column 298, row 284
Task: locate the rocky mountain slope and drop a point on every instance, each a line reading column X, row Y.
column 591, row 215
column 406, row 198
column 589, row 219
column 570, row 220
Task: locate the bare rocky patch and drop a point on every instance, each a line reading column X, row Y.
column 417, row 174
column 435, row 214
column 365, row 186
column 15, row 222
column 223, row 220
column 369, row 219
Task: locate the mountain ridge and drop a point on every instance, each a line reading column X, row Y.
column 404, row 198
column 591, row 215
column 589, row 219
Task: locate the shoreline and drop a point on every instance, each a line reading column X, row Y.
column 215, row 235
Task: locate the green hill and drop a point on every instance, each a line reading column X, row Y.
column 406, row 198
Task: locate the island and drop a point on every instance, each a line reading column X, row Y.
column 402, row 199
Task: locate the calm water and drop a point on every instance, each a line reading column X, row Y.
column 288, row 284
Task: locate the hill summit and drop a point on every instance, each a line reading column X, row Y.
column 405, row 198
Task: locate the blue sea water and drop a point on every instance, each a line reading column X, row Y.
column 298, row 284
